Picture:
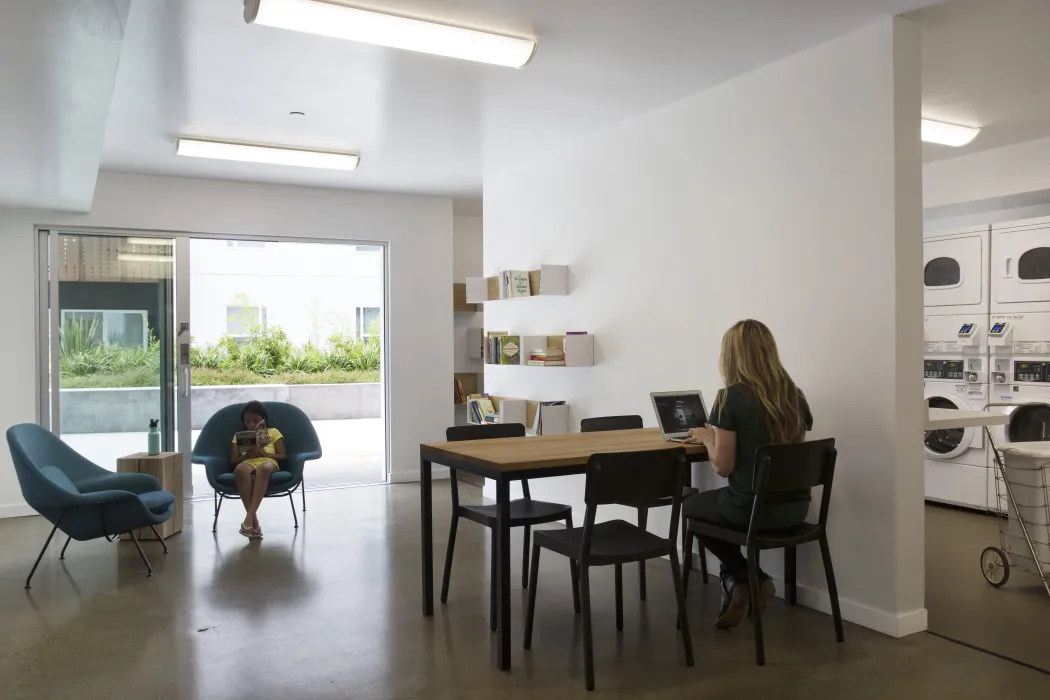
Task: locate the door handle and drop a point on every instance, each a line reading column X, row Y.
column 185, row 380
column 1006, row 267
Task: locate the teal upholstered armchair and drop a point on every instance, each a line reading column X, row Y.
column 212, row 449
column 80, row 498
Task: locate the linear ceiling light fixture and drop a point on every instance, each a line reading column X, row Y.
column 948, row 134
column 142, row 257
column 396, row 32
column 275, row 155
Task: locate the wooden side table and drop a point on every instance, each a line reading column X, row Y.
column 166, row 467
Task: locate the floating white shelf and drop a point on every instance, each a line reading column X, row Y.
column 554, row 420
column 579, row 350
column 548, row 280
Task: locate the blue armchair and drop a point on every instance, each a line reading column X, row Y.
column 212, row 450
column 80, row 498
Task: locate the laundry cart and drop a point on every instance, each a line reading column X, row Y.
column 1022, row 487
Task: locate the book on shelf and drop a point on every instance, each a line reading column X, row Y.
column 535, row 363
column 492, row 349
column 510, row 352
column 460, row 396
column 514, row 284
column 481, row 409
column 576, row 333
column 555, row 357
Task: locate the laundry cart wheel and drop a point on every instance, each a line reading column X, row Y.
column 995, row 567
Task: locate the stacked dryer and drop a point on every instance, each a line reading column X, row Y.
column 955, row 361
column 1019, row 334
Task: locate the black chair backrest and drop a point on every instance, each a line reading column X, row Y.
column 604, row 423
column 488, row 431
column 492, row 431
column 625, row 477
column 795, row 467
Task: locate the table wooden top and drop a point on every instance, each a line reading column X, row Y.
column 550, row 451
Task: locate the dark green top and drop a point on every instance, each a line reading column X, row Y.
column 739, row 410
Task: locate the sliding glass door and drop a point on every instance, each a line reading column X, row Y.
column 109, row 340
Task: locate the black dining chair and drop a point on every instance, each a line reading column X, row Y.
column 605, row 423
column 614, row 479
column 524, row 512
column 780, row 468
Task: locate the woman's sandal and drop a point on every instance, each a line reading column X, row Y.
column 247, row 531
column 256, row 533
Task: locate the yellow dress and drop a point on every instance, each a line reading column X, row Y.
column 274, row 435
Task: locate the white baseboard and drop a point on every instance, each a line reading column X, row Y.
column 16, row 511
column 893, row 625
column 409, row 477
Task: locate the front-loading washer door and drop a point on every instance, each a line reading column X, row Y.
column 1030, row 422
column 951, row 442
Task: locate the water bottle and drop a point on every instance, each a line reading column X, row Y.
column 154, row 437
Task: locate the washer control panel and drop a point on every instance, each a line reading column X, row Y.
column 942, row 369
column 1031, row 372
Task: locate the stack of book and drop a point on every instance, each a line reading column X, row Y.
column 546, row 357
column 481, row 409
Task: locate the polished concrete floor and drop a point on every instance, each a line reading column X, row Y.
column 1013, row 620
column 333, row 611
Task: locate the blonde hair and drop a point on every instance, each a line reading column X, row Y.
column 749, row 356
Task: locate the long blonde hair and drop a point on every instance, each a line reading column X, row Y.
column 749, row 356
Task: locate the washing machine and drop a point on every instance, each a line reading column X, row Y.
column 955, row 271
column 1019, row 333
column 955, row 376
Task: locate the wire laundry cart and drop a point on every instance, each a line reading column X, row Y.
column 1022, row 492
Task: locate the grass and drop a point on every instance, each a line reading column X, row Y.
column 217, row 377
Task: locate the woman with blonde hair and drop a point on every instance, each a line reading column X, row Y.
column 760, row 405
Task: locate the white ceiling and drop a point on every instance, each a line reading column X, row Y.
column 425, row 124
column 987, row 63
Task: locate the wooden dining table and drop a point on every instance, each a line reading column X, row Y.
column 513, row 459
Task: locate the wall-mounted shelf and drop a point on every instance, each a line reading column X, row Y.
column 538, row 417
column 459, row 299
column 548, row 280
column 470, row 382
column 577, row 350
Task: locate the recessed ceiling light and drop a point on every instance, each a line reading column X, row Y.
column 275, row 155
column 353, row 24
column 948, row 134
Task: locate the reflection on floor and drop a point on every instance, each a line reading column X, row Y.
column 333, row 611
column 353, row 452
column 1013, row 621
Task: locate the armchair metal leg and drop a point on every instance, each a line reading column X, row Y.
column 302, row 485
column 44, row 549
column 142, row 555
column 156, row 533
column 63, row 554
column 218, row 507
column 294, row 516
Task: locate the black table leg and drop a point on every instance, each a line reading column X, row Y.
column 427, row 532
column 503, row 569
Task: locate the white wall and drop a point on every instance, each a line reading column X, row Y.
column 791, row 195
column 466, row 262
column 997, row 172
column 419, row 232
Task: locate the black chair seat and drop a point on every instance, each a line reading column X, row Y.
column 613, row 542
column 523, row 511
column 769, row 539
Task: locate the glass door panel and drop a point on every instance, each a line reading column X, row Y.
column 110, row 342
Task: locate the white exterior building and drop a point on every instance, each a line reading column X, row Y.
column 311, row 290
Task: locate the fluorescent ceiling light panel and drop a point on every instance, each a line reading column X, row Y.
column 167, row 243
column 948, row 134
column 274, row 155
column 138, row 257
column 366, row 26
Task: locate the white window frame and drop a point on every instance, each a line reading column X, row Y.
column 246, row 245
column 359, row 321
column 105, row 322
column 260, row 318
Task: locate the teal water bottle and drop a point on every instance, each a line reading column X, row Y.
column 154, row 437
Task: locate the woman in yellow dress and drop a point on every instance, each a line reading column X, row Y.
column 252, row 466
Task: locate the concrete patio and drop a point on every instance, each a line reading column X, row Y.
column 353, row 453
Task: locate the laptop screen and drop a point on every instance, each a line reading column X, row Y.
column 678, row 413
